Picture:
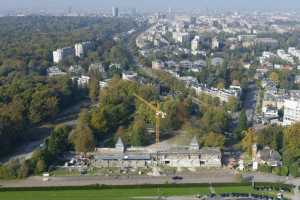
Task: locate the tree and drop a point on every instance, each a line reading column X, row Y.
column 94, row 89
column 83, row 138
column 248, row 140
column 291, row 144
column 40, row 166
column 274, row 77
column 242, row 125
column 25, row 169
column 271, row 136
column 58, row 141
column 214, row 140
column 99, row 120
column 43, row 105
column 137, row 133
column 232, row 104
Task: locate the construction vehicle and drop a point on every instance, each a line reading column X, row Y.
column 158, row 115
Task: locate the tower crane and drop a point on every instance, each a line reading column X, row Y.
column 158, row 115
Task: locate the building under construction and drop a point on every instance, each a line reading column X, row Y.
column 189, row 156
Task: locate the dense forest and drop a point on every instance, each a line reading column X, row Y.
column 27, row 97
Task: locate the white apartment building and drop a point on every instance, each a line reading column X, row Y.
column 181, row 37
column 284, row 56
column 60, row 54
column 195, row 43
column 215, row 43
column 291, row 111
column 294, row 52
column 83, row 81
column 81, row 48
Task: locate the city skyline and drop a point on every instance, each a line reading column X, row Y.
column 144, row 5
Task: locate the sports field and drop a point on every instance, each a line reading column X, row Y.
column 116, row 194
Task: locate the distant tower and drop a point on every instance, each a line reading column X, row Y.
column 115, row 11
column 170, row 11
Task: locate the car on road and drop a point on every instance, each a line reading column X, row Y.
column 177, row 178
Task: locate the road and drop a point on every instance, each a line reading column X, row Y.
column 67, row 117
column 203, row 177
column 250, row 102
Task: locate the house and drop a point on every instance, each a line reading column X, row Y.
column 269, row 157
column 217, row 61
column 55, row 71
column 266, row 156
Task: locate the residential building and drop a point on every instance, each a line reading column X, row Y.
column 55, row 71
column 83, row 81
column 195, row 43
column 129, row 76
column 215, row 43
column 82, row 48
column 60, row 54
column 158, row 64
column 291, row 111
column 266, row 156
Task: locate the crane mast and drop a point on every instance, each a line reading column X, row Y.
column 158, row 115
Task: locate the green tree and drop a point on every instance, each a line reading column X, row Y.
column 248, row 140
column 214, row 140
column 137, row 133
column 40, row 166
column 43, row 105
column 94, row 89
column 58, row 141
column 83, row 138
column 241, row 126
column 291, row 144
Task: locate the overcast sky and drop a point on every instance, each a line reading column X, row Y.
column 9, row 5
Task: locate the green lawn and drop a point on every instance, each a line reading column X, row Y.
column 105, row 194
column 115, row 194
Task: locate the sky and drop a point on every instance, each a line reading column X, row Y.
column 148, row 5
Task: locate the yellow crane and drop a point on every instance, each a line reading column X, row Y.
column 158, row 115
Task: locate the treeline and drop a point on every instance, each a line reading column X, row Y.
column 26, row 43
column 42, row 159
column 27, row 101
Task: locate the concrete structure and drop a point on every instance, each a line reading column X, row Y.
column 176, row 156
column 60, row 54
column 291, row 111
column 82, row 48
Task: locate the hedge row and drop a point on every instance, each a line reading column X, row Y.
column 97, row 186
column 274, row 186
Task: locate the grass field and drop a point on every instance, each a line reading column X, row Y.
column 115, row 194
